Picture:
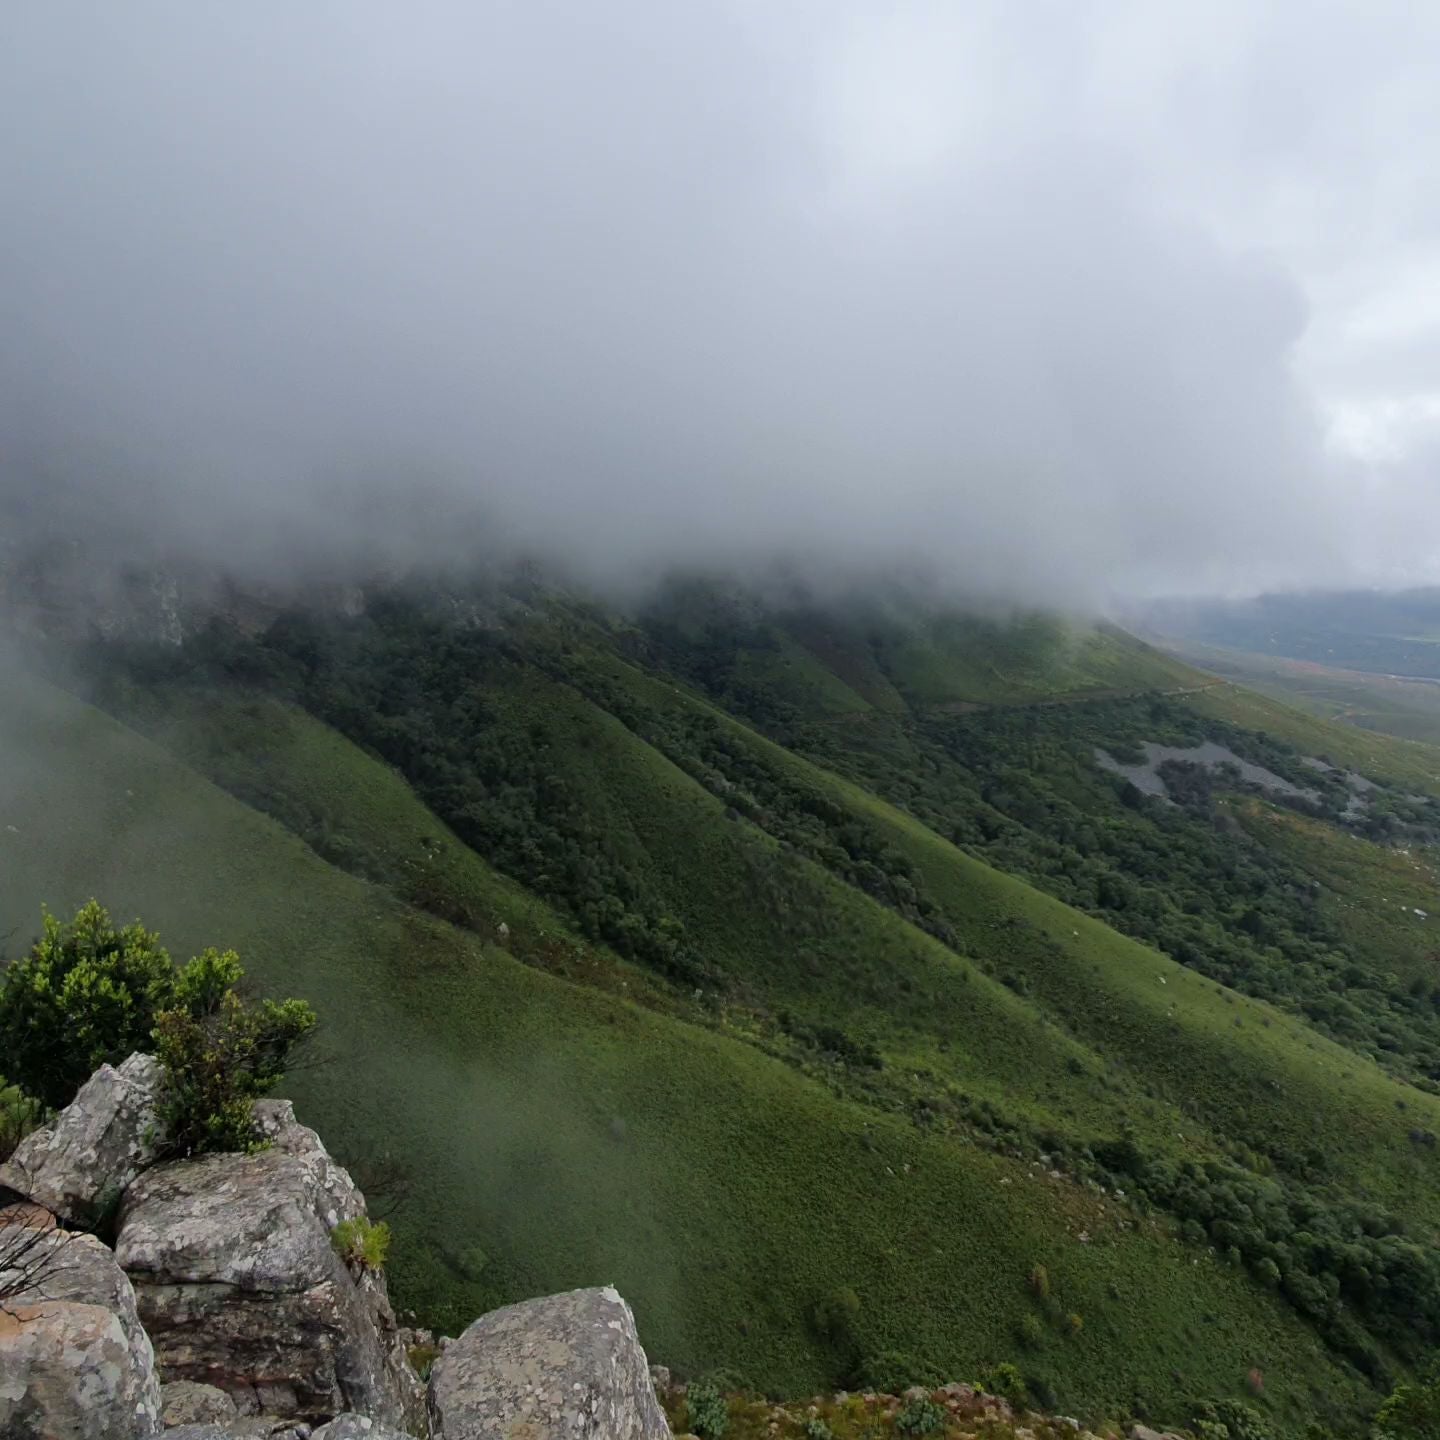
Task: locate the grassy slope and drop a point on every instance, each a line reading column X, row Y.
column 959, row 659
column 903, row 653
column 1370, row 892
column 1182, row 1049
column 736, row 1191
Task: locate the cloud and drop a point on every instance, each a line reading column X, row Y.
column 1029, row 292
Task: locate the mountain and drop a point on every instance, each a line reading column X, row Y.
column 838, row 976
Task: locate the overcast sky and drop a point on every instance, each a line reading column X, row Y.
column 1075, row 299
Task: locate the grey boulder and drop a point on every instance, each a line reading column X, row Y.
column 331, row 1191
column 74, row 1360
column 565, row 1367
column 356, row 1427
column 187, row 1402
column 239, row 1286
column 79, row 1165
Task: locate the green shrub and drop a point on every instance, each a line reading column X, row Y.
column 1411, row 1411
column 220, row 1054
column 1222, row 1418
column 705, row 1409
column 834, row 1316
column 1006, row 1381
column 422, row 1359
column 817, row 1429
column 919, row 1417
column 19, row 1115
column 1031, row 1331
column 893, row 1371
column 361, row 1244
column 87, row 994
column 1040, row 1282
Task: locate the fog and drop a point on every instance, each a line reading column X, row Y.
column 1067, row 301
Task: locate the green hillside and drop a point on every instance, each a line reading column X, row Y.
column 565, row 1136
column 680, row 951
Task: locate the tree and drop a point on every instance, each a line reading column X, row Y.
column 86, row 994
column 90, row 994
column 220, row 1054
column 1412, row 1410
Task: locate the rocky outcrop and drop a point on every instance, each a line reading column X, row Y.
column 239, row 1286
column 225, row 1283
column 252, row 1427
column 330, row 1189
column 184, row 1402
column 74, row 1360
column 355, row 1427
column 79, row 1166
column 567, row 1366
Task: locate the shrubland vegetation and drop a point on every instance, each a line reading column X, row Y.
column 90, row 993
column 966, row 1034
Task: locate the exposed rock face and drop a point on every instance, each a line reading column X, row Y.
column 184, row 1402
column 74, row 1360
column 567, row 1366
column 98, row 1144
column 355, row 1427
column 239, row 1286
column 332, row 1192
column 252, row 1427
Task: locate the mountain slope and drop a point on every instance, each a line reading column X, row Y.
column 572, row 1137
column 781, row 855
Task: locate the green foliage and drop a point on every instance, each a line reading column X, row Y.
column 361, row 1243
column 834, row 1315
column 919, row 1417
column 1031, row 1331
column 221, row 1053
column 90, row 993
column 706, row 1410
column 422, row 1359
column 1231, row 1420
column 779, row 909
column 1412, row 1410
column 892, row 1372
column 19, row 1115
column 1006, row 1381
column 87, row 994
column 817, row 1429
column 1040, row 1282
